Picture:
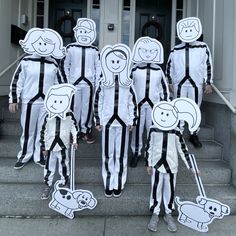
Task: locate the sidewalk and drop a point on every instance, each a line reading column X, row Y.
column 104, row 226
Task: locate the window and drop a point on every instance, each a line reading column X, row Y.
column 179, row 16
column 40, row 13
column 95, row 15
column 125, row 22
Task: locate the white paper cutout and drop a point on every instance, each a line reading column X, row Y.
column 166, row 115
column 148, row 50
column 58, row 99
column 189, row 29
column 115, row 60
column 43, row 42
column 85, row 31
column 199, row 215
column 68, row 200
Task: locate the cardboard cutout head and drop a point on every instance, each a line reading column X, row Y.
column 85, row 31
column 43, row 42
column 58, row 99
column 147, row 50
column 115, row 60
column 189, row 29
column 166, row 115
column 67, row 201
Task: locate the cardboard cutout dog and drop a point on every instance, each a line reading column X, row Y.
column 200, row 214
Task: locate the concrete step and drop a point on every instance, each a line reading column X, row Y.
column 13, row 128
column 90, row 171
column 10, row 146
column 24, row 199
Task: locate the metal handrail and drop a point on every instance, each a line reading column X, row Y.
column 230, row 106
column 11, row 65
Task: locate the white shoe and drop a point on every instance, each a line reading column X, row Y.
column 152, row 225
column 171, row 226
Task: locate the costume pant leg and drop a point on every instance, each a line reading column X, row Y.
column 77, row 108
column 184, row 94
column 37, row 151
column 29, row 117
column 169, row 192
column 108, row 140
column 148, row 114
column 121, row 150
column 156, row 191
column 137, row 134
column 50, row 167
column 87, row 109
column 63, row 165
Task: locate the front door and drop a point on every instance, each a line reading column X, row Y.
column 63, row 15
column 153, row 19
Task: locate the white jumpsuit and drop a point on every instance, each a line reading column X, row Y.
column 55, row 138
column 31, row 81
column 150, row 86
column 162, row 152
column 82, row 68
column 115, row 109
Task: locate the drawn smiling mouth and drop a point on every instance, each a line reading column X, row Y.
column 42, row 50
column 53, row 107
column 163, row 120
column 115, row 68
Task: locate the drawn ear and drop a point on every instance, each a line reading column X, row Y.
column 92, row 203
column 76, row 194
column 201, row 201
column 225, row 209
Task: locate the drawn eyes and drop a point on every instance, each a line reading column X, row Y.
column 41, row 44
column 162, row 113
column 113, row 61
column 55, row 101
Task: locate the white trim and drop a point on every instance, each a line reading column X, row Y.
column 89, row 8
column 213, row 31
column 132, row 23
column 197, row 9
column 46, row 13
column 120, row 14
column 173, row 24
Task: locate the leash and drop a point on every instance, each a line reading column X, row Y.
column 72, row 168
column 197, row 176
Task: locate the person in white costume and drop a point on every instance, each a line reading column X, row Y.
column 150, row 86
column 58, row 126
column 189, row 67
column 34, row 75
column 82, row 68
column 165, row 143
column 115, row 111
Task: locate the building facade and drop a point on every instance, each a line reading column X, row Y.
column 125, row 21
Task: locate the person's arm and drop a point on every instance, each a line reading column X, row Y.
column 98, row 105
column 164, row 89
column 74, row 130
column 16, row 87
column 133, row 109
column 97, row 65
column 43, row 134
column 208, row 72
column 65, row 66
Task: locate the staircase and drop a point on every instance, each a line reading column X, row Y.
column 21, row 189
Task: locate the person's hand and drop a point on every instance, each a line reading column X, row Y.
column 75, row 145
column 98, row 128
column 45, row 153
column 208, row 89
column 13, row 107
column 149, row 170
column 130, row 127
column 194, row 172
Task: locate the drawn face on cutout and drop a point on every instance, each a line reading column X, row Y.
column 85, row 31
column 58, row 99
column 42, row 47
column 148, row 52
column 164, row 116
column 57, row 103
column 189, row 29
column 116, row 61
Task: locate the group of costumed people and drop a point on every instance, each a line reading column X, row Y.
column 64, row 91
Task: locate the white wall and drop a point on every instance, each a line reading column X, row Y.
column 9, row 12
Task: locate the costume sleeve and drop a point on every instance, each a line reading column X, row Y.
column 163, row 88
column 74, row 129
column 97, row 68
column 43, row 134
column 182, row 149
column 149, row 148
column 133, row 111
column 17, row 84
column 208, row 71
column 169, row 68
column 65, row 66
column 98, row 104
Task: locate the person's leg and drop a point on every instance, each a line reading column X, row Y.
column 63, row 166
column 108, row 139
column 77, row 106
column 121, row 150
